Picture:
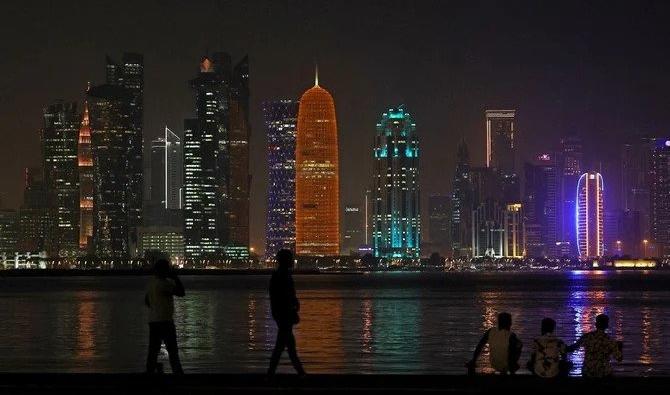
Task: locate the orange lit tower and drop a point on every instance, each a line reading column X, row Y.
column 317, row 175
column 85, row 160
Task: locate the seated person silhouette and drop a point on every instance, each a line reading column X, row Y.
column 599, row 349
column 504, row 347
column 546, row 360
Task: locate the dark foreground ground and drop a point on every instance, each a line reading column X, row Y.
column 100, row 384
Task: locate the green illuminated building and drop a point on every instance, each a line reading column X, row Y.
column 396, row 214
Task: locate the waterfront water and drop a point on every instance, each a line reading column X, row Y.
column 372, row 323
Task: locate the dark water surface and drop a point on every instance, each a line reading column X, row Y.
column 374, row 323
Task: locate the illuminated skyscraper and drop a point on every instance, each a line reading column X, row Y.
column 166, row 170
column 317, row 175
column 61, row 176
column 109, row 106
column 86, row 188
column 501, row 151
column 205, row 161
column 396, row 215
column 461, row 203
column 541, row 203
column 129, row 74
column 216, row 162
column 239, row 178
column 590, row 215
column 281, row 119
column 660, row 197
column 571, row 158
column 500, row 145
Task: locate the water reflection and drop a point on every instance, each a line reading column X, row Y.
column 87, row 318
column 423, row 323
column 319, row 333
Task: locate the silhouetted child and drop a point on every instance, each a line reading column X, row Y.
column 504, row 347
column 599, row 349
column 160, row 300
column 285, row 307
column 548, row 351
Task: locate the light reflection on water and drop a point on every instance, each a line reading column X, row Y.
column 381, row 323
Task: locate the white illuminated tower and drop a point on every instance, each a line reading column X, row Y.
column 589, row 215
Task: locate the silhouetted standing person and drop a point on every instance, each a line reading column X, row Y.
column 599, row 349
column 160, row 299
column 504, row 347
column 285, row 307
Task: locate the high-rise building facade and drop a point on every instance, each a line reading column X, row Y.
column 488, row 229
column 571, row 164
column 396, row 214
column 660, row 197
column 281, row 118
column 216, row 162
column 541, row 204
column 590, row 215
column 166, row 170
column 239, row 178
column 515, row 234
column 461, row 204
column 86, row 186
column 60, row 137
column 206, row 161
column 129, row 75
column 201, row 201
column 501, row 135
column 114, row 220
column 317, row 175
column 35, row 222
column 438, row 223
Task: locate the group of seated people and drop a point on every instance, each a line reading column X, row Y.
column 549, row 356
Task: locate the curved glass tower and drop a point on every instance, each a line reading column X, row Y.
column 589, row 215
column 317, row 175
column 396, row 214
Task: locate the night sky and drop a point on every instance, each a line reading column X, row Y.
column 599, row 70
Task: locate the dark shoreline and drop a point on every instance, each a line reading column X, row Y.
column 36, row 383
column 256, row 272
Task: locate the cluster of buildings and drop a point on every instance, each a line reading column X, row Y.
column 92, row 202
column 550, row 207
column 304, row 211
column 561, row 211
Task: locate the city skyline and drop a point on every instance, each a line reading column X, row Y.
column 545, row 112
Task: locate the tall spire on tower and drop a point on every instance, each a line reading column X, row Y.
column 316, row 74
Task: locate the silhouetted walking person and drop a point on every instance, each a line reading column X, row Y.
column 599, row 349
column 160, row 299
column 504, row 347
column 285, row 307
column 546, row 360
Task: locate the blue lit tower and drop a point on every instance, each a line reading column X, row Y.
column 590, row 215
column 396, row 215
column 281, row 118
